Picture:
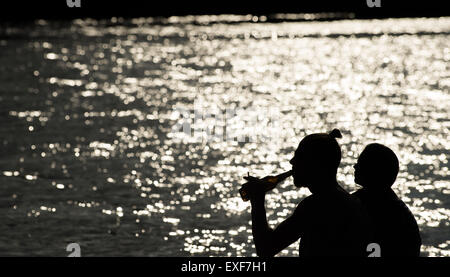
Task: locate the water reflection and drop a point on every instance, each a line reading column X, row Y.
column 87, row 109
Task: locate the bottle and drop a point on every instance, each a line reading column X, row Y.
column 272, row 182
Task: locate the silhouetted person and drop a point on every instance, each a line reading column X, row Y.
column 330, row 222
column 394, row 226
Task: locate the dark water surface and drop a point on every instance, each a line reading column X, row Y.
column 88, row 153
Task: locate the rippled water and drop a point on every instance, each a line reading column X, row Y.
column 88, row 153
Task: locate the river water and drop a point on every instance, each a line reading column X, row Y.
column 90, row 151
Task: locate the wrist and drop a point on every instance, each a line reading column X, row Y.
column 258, row 198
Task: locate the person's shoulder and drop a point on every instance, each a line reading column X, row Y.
column 397, row 203
column 343, row 196
column 307, row 203
column 404, row 209
column 355, row 200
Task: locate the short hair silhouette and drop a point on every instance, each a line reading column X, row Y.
column 321, row 147
column 377, row 166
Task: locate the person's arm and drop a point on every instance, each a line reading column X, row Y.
column 260, row 227
column 269, row 242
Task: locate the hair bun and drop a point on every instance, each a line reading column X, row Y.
column 335, row 133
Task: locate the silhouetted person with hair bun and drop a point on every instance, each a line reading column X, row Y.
column 329, row 222
column 394, row 226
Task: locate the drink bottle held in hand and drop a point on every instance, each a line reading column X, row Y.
column 270, row 183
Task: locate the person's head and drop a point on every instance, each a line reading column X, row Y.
column 316, row 160
column 377, row 167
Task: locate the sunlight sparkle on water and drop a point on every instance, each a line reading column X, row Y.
column 91, row 150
